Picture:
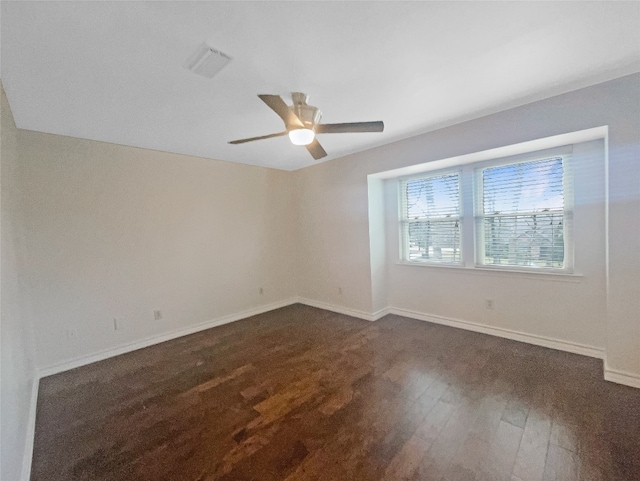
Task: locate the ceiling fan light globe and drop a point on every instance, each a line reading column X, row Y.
column 301, row 136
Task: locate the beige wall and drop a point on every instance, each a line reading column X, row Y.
column 333, row 234
column 17, row 356
column 334, row 230
column 114, row 232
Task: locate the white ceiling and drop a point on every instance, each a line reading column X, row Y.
column 112, row 71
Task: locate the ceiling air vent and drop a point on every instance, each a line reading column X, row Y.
column 207, row 61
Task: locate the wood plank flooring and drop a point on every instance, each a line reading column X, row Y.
column 305, row 394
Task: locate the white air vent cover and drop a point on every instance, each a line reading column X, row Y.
column 207, row 61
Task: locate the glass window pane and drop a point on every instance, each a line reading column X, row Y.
column 432, row 197
column 434, row 241
column 524, row 187
column 527, row 240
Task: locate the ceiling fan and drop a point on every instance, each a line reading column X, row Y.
column 302, row 123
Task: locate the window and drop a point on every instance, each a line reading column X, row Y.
column 430, row 218
column 521, row 215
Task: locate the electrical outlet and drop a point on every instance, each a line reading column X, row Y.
column 261, row 291
column 340, row 290
column 157, row 315
column 488, row 303
column 118, row 323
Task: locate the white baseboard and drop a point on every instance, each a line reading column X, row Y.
column 621, row 377
column 381, row 313
column 150, row 341
column 535, row 339
column 367, row 316
column 31, row 431
column 576, row 348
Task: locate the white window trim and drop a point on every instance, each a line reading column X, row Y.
column 532, row 274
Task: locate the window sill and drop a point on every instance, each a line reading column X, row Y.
column 526, row 274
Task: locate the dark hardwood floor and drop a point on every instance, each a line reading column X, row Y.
column 305, row 394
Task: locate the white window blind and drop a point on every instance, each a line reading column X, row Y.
column 430, row 218
column 522, row 218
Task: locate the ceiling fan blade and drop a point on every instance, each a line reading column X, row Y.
column 251, row 139
column 316, row 150
column 350, row 127
column 276, row 104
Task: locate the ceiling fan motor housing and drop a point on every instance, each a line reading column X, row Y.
column 308, row 114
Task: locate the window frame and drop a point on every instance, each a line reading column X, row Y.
column 567, row 212
column 403, row 223
column 470, row 200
